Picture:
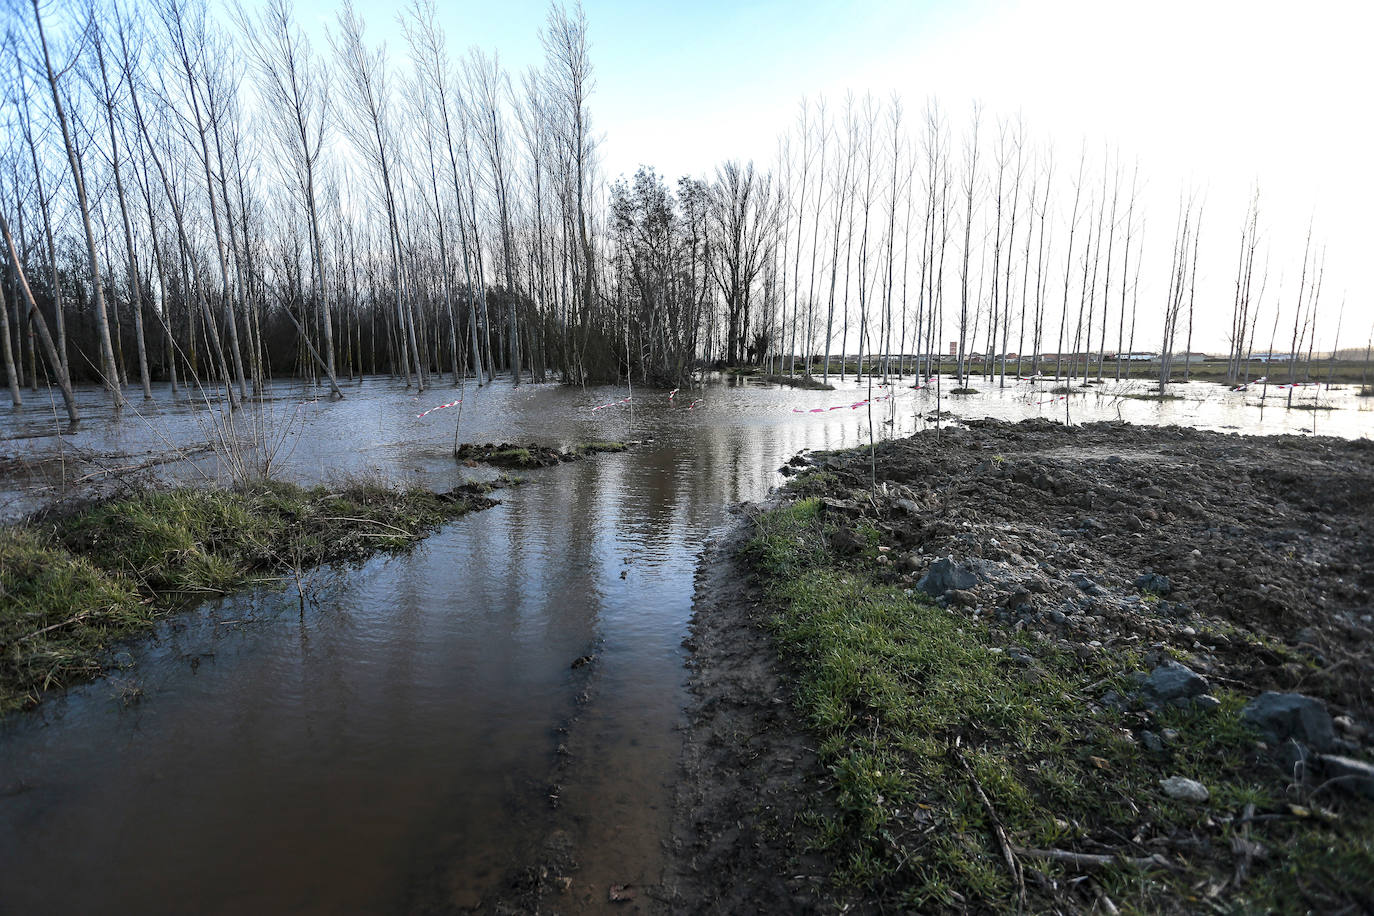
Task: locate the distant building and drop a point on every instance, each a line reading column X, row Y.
column 1273, row 357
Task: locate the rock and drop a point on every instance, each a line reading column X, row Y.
column 959, row 597
column 1308, row 635
column 1154, row 582
column 1206, row 703
column 1085, row 582
column 1057, row 616
column 945, row 575
column 1291, row 715
column 846, row 541
column 1171, row 681
column 1182, row 788
column 1355, row 776
column 1020, row 656
column 1016, row 598
column 1352, row 728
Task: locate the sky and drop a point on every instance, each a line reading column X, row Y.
column 1211, row 94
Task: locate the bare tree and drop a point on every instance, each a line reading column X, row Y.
column 109, row 373
column 296, row 108
column 365, row 87
column 743, row 213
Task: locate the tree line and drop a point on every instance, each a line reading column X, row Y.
column 209, row 201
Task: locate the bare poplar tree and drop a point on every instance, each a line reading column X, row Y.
column 109, row 373
column 366, row 88
column 296, row 108
column 970, row 191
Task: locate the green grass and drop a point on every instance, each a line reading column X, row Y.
column 519, row 457
column 72, row 587
column 592, row 448
column 805, row 382
column 1149, row 396
column 900, row 693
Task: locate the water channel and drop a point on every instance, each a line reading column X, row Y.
column 417, row 735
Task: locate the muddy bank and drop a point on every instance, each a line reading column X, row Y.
column 749, row 771
column 509, row 455
column 805, row 382
column 1077, row 668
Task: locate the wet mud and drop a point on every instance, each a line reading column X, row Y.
column 1250, row 558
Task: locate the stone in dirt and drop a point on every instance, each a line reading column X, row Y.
column 1171, row 681
column 945, row 575
column 1291, row 715
column 1352, row 775
column 1181, row 788
column 1154, row 582
column 846, row 541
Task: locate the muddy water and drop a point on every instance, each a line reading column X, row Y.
column 409, row 734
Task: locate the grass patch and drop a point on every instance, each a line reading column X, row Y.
column 919, row 711
column 71, row 587
column 508, row 455
column 806, row 382
column 1150, row 396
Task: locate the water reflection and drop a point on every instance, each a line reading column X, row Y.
column 396, row 744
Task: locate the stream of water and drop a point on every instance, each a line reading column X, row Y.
column 416, row 734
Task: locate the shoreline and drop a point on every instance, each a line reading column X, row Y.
column 77, row 581
column 1083, row 565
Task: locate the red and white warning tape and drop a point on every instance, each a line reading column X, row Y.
column 440, row 407
column 612, row 404
column 855, row 406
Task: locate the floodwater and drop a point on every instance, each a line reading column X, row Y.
column 415, row 737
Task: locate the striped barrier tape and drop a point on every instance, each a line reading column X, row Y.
column 440, row 407
column 855, row 406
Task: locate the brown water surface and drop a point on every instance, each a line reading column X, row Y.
column 417, row 739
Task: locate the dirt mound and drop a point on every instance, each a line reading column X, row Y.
column 507, row 455
column 1260, row 539
column 1137, row 568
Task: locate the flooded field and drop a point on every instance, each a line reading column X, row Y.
column 419, row 738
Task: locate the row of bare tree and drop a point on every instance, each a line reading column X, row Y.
column 246, row 207
column 213, row 203
column 892, row 239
